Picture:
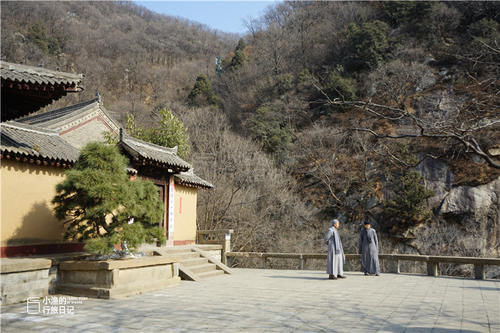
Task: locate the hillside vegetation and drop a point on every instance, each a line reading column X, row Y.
column 387, row 111
column 135, row 58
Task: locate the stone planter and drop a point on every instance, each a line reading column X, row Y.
column 116, row 278
column 23, row 278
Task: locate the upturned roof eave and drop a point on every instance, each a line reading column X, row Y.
column 38, row 75
column 207, row 186
column 145, row 160
column 34, row 158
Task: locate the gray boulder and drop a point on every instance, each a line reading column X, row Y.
column 475, row 200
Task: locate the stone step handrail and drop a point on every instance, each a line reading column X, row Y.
column 432, row 261
column 213, row 236
column 215, row 231
column 216, row 236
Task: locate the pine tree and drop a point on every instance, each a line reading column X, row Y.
column 239, row 58
column 368, row 45
column 269, row 127
column 409, row 208
column 96, row 200
column 202, row 92
column 169, row 133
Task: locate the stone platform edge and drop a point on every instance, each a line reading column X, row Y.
column 8, row 265
column 85, row 265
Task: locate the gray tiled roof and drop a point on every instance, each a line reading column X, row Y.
column 30, row 74
column 191, row 179
column 46, row 119
column 64, row 117
column 148, row 151
column 35, row 142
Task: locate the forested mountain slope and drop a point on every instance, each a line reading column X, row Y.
column 384, row 110
column 135, row 58
column 387, row 111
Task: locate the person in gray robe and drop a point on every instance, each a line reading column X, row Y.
column 368, row 248
column 336, row 258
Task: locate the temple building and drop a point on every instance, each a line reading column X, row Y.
column 36, row 149
column 26, row 89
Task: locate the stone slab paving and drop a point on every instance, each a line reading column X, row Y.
column 254, row 300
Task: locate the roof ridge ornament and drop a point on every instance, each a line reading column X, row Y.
column 98, row 96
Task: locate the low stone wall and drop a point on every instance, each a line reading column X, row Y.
column 23, row 278
column 116, row 278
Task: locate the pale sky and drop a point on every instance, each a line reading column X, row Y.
column 226, row 16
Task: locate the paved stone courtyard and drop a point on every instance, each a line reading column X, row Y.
column 284, row 301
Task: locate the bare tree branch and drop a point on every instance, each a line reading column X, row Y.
column 448, row 129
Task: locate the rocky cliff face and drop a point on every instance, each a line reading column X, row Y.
column 466, row 200
column 438, row 178
column 467, row 218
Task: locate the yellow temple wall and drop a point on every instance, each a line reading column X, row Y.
column 26, row 209
column 185, row 199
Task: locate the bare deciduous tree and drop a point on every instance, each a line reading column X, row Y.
column 474, row 124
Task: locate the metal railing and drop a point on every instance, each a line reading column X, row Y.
column 432, row 261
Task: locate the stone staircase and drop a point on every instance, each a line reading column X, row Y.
column 194, row 264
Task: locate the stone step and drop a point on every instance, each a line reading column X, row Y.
column 175, row 249
column 182, row 255
column 210, row 274
column 202, row 268
column 193, row 265
column 194, row 261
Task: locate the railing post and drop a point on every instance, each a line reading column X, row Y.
column 432, row 268
column 395, row 266
column 479, row 273
column 302, row 260
column 226, row 246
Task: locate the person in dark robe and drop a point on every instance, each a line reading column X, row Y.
column 368, row 248
column 336, row 258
